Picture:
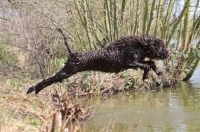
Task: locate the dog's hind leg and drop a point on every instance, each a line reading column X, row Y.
column 62, row 74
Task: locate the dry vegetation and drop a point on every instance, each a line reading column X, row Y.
column 20, row 112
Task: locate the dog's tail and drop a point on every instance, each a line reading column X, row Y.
column 65, row 40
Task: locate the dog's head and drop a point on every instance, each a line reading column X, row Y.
column 155, row 48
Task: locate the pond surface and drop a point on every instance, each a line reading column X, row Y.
column 174, row 109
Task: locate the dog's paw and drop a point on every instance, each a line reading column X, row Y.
column 30, row 90
column 159, row 72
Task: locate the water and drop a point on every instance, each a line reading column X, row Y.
column 174, row 109
column 195, row 80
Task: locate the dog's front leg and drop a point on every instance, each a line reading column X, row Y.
column 153, row 66
column 143, row 66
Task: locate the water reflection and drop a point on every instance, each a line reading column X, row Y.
column 168, row 110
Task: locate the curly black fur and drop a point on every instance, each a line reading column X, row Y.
column 127, row 52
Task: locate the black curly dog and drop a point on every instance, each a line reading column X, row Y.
column 127, row 52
